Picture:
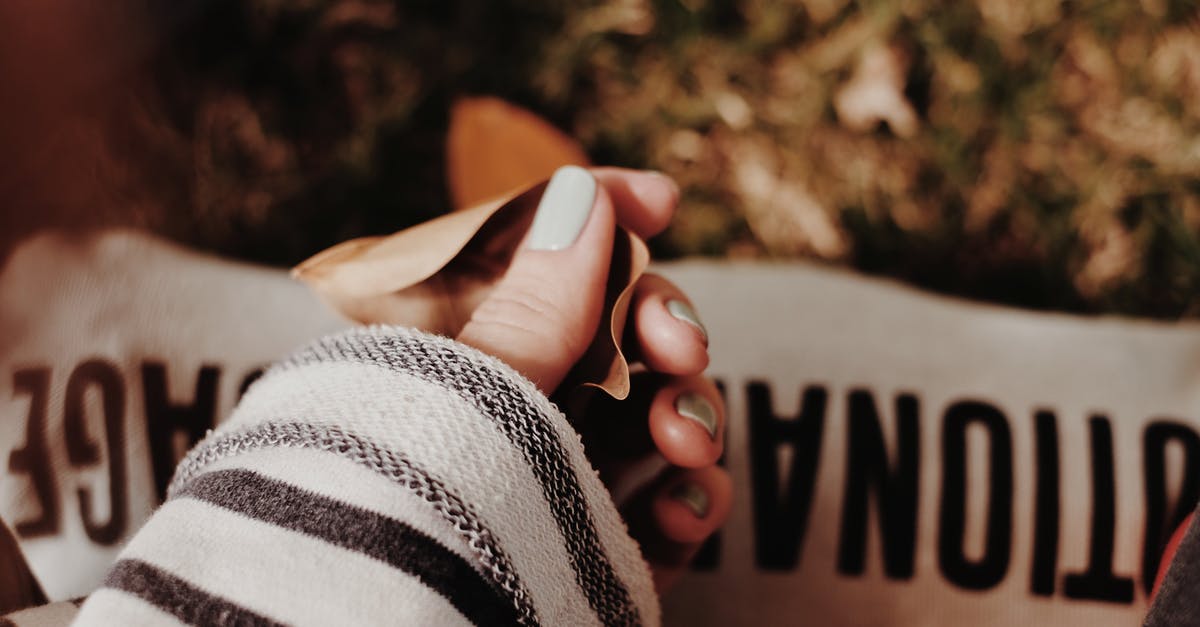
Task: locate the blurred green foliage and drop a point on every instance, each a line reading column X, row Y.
column 1037, row 153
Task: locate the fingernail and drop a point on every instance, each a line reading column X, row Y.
column 692, row 496
column 684, row 311
column 563, row 210
column 696, row 408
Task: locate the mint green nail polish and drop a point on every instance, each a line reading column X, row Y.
column 696, row 408
column 684, row 312
column 692, row 496
column 563, row 210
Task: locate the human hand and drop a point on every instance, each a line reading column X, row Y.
column 543, row 314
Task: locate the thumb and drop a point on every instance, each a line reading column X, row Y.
column 541, row 316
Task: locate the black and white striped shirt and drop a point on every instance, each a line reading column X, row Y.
column 381, row 476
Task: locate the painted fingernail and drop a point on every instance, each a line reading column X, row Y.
column 696, row 408
column 692, row 496
column 563, row 210
column 684, row 312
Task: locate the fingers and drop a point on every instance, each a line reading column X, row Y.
column 669, row 335
column 682, row 418
column 644, row 200
column 672, row 409
column 687, row 422
column 693, row 503
column 543, row 313
column 673, row 518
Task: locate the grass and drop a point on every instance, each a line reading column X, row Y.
column 1035, row 153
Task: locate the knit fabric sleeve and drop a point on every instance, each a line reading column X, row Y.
column 383, row 476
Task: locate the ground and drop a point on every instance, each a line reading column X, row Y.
column 1035, row 153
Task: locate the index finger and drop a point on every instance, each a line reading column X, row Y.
column 644, row 200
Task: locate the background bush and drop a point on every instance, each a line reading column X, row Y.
column 1031, row 152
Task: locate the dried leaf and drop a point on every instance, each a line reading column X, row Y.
column 494, row 147
column 432, row 276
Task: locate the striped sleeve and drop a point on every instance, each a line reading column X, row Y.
column 384, row 476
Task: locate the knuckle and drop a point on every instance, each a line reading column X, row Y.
column 523, row 311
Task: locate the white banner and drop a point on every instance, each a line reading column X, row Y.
column 900, row 458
